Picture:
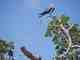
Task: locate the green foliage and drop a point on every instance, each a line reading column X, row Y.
column 54, row 26
column 64, row 19
column 75, row 33
column 5, row 46
column 48, row 33
column 54, row 29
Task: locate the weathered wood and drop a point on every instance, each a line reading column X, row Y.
column 29, row 54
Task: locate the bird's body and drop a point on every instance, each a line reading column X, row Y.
column 50, row 10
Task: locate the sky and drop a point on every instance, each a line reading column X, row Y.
column 19, row 23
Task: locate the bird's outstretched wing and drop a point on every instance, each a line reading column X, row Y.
column 49, row 10
column 43, row 13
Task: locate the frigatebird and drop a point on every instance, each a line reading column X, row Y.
column 49, row 10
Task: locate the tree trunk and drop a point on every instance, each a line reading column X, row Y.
column 2, row 56
column 29, row 54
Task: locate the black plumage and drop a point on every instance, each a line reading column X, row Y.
column 48, row 11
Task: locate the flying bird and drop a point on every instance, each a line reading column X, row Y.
column 49, row 10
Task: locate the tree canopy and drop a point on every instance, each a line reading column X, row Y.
column 64, row 34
